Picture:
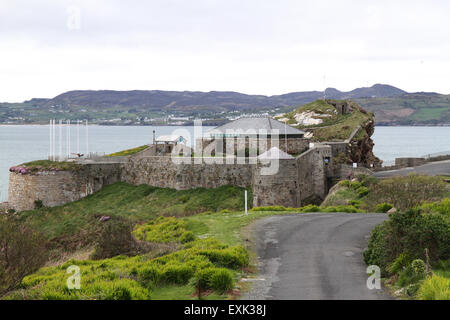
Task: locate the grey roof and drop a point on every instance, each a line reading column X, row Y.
column 265, row 123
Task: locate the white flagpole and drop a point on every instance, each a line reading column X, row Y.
column 60, row 140
column 87, row 140
column 78, row 136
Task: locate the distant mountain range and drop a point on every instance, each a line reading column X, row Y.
column 392, row 106
column 194, row 100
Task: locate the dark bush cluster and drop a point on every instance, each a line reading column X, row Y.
column 409, row 233
column 22, row 251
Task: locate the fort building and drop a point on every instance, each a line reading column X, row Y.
column 284, row 169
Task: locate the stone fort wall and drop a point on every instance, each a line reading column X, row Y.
column 295, row 181
column 186, row 173
column 55, row 188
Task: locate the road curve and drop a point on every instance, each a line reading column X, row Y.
column 313, row 256
column 432, row 168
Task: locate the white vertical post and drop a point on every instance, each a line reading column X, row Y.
column 53, row 140
column 87, row 140
column 68, row 154
column 67, row 138
column 60, row 140
column 50, row 140
column 78, row 136
column 246, row 202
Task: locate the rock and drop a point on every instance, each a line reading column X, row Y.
column 391, row 210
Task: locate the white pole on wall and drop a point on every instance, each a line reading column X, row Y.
column 246, row 202
column 87, row 140
column 78, row 136
column 50, row 142
column 60, row 140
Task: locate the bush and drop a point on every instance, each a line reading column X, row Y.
column 348, row 209
column 442, row 207
column 367, row 180
column 219, row 279
column 362, row 191
column 355, row 185
column 187, row 236
column 310, row 208
column 162, row 230
column 115, row 238
column 406, row 192
column 354, row 203
column 176, row 274
column 435, row 288
column 23, row 251
column 409, row 233
column 269, row 208
column 399, row 264
column 383, row 207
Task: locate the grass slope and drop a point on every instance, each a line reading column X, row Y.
column 76, row 221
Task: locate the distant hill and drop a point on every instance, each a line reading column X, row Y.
column 390, row 105
column 194, row 100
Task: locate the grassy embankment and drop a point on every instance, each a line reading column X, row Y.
column 128, row 152
column 175, row 255
column 335, row 127
column 203, row 246
column 412, row 247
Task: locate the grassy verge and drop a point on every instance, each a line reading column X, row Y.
column 372, row 195
column 74, row 225
column 41, row 165
column 128, row 152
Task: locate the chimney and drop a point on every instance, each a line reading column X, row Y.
column 154, row 139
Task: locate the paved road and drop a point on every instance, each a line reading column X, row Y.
column 432, row 168
column 313, row 256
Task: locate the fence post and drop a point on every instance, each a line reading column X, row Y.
column 246, row 202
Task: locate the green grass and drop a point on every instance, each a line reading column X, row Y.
column 134, row 278
column 435, row 288
column 128, row 152
column 226, row 227
column 335, row 127
column 78, row 220
column 39, row 165
column 406, row 192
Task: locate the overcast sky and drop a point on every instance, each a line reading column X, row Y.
column 251, row 46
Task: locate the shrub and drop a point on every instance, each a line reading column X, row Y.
column 355, row 185
column 161, row 230
column 348, row 209
column 435, row 288
column 383, row 207
column 176, row 274
column 221, row 280
column 187, row 236
column 406, row 192
column 410, row 233
column 399, row 264
column 310, row 208
column 362, row 191
column 115, row 238
column 441, row 207
column 269, row 208
column 22, row 251
column 367, row 180
column 355, row 203
column 344, row 183
column 214, row 278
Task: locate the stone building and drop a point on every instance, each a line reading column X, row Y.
column 284, row 171
column 256, row 134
